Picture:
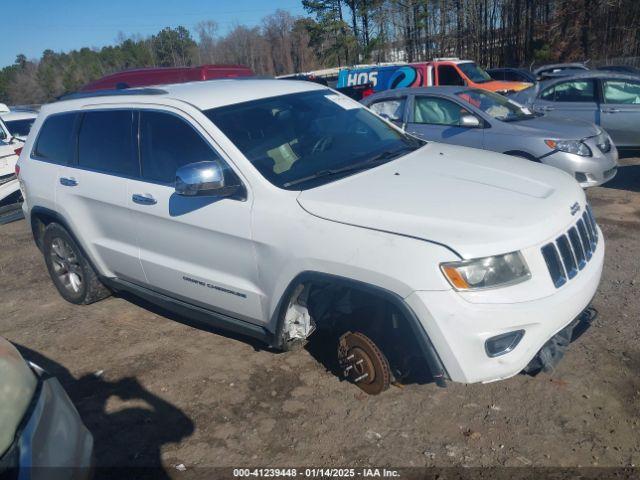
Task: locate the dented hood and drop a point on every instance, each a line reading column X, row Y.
column 475, row 202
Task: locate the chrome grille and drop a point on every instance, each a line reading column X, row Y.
column 573, row 250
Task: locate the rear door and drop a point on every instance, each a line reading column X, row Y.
column 198, row 249
column 54, row 148
column 620, row 111
column 91, row 191
column 438, row 119
column 575, row 99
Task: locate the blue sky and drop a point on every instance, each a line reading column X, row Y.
column 62, row 25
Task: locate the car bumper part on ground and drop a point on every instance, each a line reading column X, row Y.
column 54, row 443
column 459, row 328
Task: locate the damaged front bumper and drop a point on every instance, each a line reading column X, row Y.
column 460, row 329
column 553, row 351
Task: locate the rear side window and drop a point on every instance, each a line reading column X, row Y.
column 106, row 142
column 167, row 143
column 56, row 141
column 622, row 92
column 393, row 109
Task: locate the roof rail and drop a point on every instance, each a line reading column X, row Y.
column 113, row 93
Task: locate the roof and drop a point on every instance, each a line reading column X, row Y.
column 18, row 115
column 586, row 74
column 201, row 94
column 447, row 90
column 553, row 66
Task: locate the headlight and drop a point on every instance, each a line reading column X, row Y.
column 569, row 146
column 487, row 272
column 603, row 141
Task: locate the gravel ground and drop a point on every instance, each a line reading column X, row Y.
column 157, row 390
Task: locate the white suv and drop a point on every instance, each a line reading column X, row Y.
column 276, row 208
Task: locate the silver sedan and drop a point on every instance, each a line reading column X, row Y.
column 482, row 119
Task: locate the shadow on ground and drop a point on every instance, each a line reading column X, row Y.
column 129, row 438
column 627, row 178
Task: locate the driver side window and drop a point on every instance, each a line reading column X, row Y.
column 167, row 143
column 437, row 111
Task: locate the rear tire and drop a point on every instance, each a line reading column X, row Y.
column 71, row 272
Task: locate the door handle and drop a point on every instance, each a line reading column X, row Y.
column 145, row 199
column 547, row 108
column 610, row 110
column 68, row 181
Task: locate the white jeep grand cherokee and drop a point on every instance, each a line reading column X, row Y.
column 277, row 208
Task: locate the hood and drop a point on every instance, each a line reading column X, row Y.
column 556, row 128
column 16, row 390
column 503, row 86
column 475, row 202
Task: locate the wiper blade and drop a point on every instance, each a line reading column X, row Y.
column 377, row 159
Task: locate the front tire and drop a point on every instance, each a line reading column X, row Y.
column 71, row 272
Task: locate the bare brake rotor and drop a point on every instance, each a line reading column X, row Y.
column 363, row 363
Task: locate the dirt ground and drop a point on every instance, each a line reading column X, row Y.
column 157, row 390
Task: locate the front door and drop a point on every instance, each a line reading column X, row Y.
column 198, row 249
column 439, row 119
column 574, row 99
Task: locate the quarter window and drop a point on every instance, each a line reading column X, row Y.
column 106, row 142
column 392, row 109
column 437, row 111
column 571, row 91
column 56, row 141
column 167, row 143
column 622, row 92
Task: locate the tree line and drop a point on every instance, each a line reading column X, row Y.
column 344, row 32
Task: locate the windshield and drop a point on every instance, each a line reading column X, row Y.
column 474, row 72
column 495, row 105
column 306, row 139
column 20, row 128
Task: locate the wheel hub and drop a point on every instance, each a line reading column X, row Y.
column 66, row 265
column 363, row 363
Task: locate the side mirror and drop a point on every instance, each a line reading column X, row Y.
column 469, row 121
column 204, row 179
